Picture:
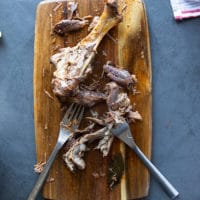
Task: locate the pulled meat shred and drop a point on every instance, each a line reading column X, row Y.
column 121, row 76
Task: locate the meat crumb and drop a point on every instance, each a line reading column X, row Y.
column 63, row 108
column 112, row 38
column 104, row 53
column 55, row 48
column 45, row 127
column 98, row 175
column 102, row 174
column 95, row 174
column 43, row 72
column 114, row 178
column 142, row 54
column 51, row 23
column 54, row 40
column 48, row 94
column 57, row 7
column 39, row 167
column 49, row 180
column 124, row 8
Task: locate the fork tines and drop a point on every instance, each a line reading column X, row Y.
column 74, row 113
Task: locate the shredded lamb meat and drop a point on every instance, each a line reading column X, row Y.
column 73, row 65
column 121, row 76
column 119, row 109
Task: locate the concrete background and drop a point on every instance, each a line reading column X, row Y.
column 176, row 99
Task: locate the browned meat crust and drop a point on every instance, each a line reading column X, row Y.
column 121, row 76
column 69, row 25
column 88, row 98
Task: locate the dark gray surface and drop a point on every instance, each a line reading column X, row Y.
column 176, row 99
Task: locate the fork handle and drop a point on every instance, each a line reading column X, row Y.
column 167, row 186
column 42, row 177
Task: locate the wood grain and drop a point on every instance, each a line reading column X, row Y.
column 130, row 50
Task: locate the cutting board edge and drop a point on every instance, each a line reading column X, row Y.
column 149, row 64
column 150, row 91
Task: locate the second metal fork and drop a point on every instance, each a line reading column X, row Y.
column 123, row 132
column 72, row 118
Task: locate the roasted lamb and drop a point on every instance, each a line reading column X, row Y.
column 73, row 64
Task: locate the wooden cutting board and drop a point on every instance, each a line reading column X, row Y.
column 130, row 48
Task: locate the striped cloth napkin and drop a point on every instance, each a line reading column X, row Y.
column 183, row 9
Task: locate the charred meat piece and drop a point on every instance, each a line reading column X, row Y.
column 121, row 76
column 74, row 63
column 88, row 98
column 69, row 25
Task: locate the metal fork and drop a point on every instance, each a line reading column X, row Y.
column 122, row 131
column 72, row 118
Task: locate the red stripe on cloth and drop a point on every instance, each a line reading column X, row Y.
column 190, row 11
column 178, row 17
column 184, row 17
